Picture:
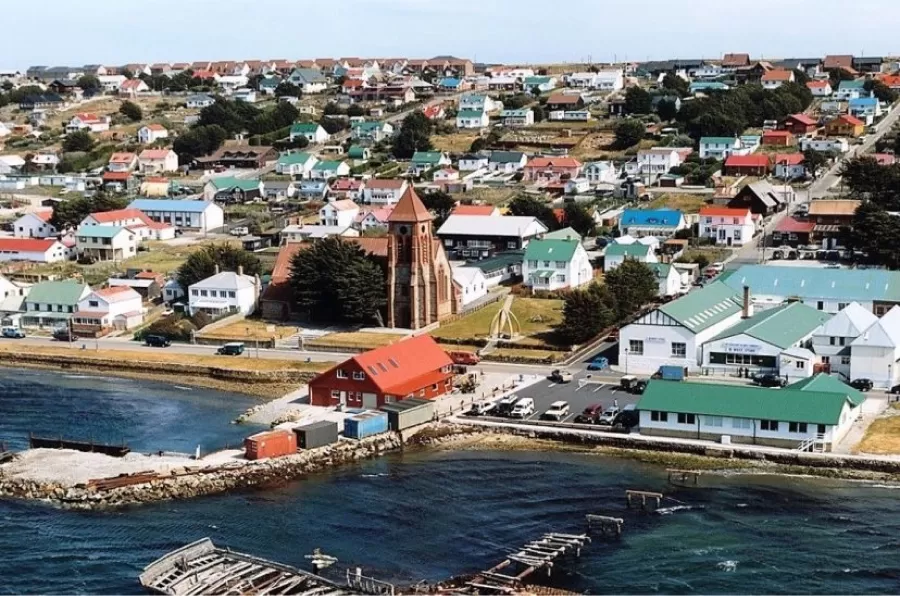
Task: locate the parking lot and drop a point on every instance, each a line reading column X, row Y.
column 580, row 393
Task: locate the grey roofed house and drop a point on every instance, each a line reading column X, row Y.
column 278, row 188
column 521, row 226
column 793, row 63
column 506, row 156
column 307, row 75
column 654, row 66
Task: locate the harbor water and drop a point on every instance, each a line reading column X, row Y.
column 431, row 515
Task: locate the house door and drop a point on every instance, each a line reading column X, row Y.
column 729, row 241
column 370, row 400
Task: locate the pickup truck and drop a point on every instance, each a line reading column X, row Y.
column 13, row 332
column 561, row 376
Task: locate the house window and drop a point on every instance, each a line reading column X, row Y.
column 659, row 416
column 335, row 394
column 842, row 305
column 533, row 264
column 845, row 360
column 679, row 350
column 842, row 340
column 797, row 427
column 832, row 340
column 547, row 264
column 636, row 347
column 820, row 429
column 94, row 303
column 741, row 423
column 561, row 278
column 195, row 292
column 770, row 425
column 800, row 364
column 358, row 375
column 560, row 264
column 511, row 245
column 203, row 292
column 686, row 419
column 821, row 306
column 713, row 421
column 448, row 243
column 341, row 373
column 231, row 294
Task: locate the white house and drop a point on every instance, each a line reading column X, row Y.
column 157, row 161
column 820, row 88
column 339, row 213
column 308, row 232
column 875, row 353
column 472, row 119
column 11, row 164
column 507, row 162
column 118, row 308
column 38, row 250
column 673, row 333
column 719, row 147
column 660, row 223
column 151, row 133
column 610, row 80
column 296, row 164
column 182, row 213
column 231, row 82
column 313, row 132
column 384, row 191
column 122, row 161
column 774, row 79
column 472, row 162
column 616, row 254
column 758, row 341
column 479, row 102
column 583, row 80
column 515, row 118
column 556, row 263
column 446, row 174
column 600, row 172
column 224, row 293
column 309, row 80
column 111, row 83
column 88, row 122
column 244, row 94
column 106, row 243
column 654, row 162
column 726, row 226
column 788, row 418
column 35, row 224
column 325, row 170
column 472, row 284
column 200, row 101
column 838, row 145
column 133, row 219
column 832, row 342
column 669, row 279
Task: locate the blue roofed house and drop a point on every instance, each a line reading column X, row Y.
column 661, row 223
column 182, row 213
column 472, row 119
column 325, row 170
column 450, row 84
column 865, row 108
column 478, row 101
column 707, row 86
column 312, row 189
column 267, row 85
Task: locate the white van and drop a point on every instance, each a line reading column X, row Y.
column 523, row 408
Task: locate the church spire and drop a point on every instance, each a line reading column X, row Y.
column 410, row 209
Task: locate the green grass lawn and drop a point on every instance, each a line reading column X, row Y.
column 477, row 324
column 537, row 318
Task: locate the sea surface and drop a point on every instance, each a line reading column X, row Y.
column 431, row 515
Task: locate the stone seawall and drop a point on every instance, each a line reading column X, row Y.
column 238, row 475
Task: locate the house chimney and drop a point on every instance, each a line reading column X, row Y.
column 240, row 269
column 746, row 309
column 217, row 268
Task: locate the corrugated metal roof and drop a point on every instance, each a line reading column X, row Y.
column 845, row 285
column 782, row 326
column 705, row 307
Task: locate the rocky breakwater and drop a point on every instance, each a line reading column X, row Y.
column 199, row 480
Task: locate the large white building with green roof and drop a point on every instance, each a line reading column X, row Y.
column 52, row 303
column 556, row 263
column 674, row 333
column 814, row 414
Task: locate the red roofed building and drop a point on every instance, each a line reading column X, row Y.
column 552, row 169
column 793, row 232
column 88, row 122
column 789, row 166
column 845, row 125
column 732, row 61
column 728, row 226
column 114, row 308
column 820, row 88
column 778, row 138
column 132, row 87
column 892, row 81
column 746, row 165
column 884, row 159
column 415, row 367
column 774, row 79
column 844, row 61
column 39, row 250
column 434, row 111
column 800, row 124
column 347, row 188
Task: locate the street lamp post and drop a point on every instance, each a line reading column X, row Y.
column 626, row 360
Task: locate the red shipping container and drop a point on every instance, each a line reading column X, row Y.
column 274, row 443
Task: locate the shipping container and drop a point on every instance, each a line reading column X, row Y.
column 671, row 373
column 273, row 443
column 366, row 424
column 409, row 412
column 317, row 434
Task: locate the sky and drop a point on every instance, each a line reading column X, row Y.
column 77, row 32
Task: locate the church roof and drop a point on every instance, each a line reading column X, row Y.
column 410, row 209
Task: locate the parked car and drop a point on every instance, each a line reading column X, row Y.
column 523, row 408
column 632, row 384
column 768, row 380
column 717, row 267
column 463, row 357
column 895, row 389
column 505, row 405
column 561, row 376
column 598, row 363
column 13, row 332
column 63, row 334
column 628, row 418
column 157, row 341
column 231, row 349
column 239, row 231
column 557, row 411
column 590, row 414
column 861, row 384
column 608, row 416
column 479, row 408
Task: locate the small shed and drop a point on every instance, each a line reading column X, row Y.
column 408, row 413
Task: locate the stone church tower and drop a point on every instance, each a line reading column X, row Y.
column 420, row 284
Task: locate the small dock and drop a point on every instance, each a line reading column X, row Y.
column 86, row 446
column 545, row 555
column 683, row 477
column 649, row 501
column 605, row 525
column 203, row 568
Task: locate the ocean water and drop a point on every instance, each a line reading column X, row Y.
column 431, row 515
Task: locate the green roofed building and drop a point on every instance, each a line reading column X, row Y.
column 51, row 303
column 813, row 414
column 556, row 263
column 616, row 254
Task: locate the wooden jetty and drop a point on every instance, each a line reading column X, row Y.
column 544, row 554
column 654, row 498
column 683, row 477
column 605, row 525
column 87, row 446
column 203, row 568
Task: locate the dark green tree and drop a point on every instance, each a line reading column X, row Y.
column 628, row 133
column 288, row 89
column 477, row 145
column 78, row 141
column 356, row 110
column 89, row 83
column 633, row 284
column 70, row 213
column 132, row 111
column 540, row 114
column 814, row 161
column 638, row 101
column 440, row 204
column 881, row 91
column 836, row 75
column 202, row 263
column 666, row 109
column 579, row 219
column 336, row 282
column 800, row 77
column 199, row 141
column 414, row 135
column 874, row 232
column 528, row 205
column 675, row 83
column 586, row 313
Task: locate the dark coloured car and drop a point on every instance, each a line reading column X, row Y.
column 64, row 335
column 231, row 349
column 157, row 341
column 769, row 380
column 895, row 389
column 628, row 418
column 590, row 415
column 861, row 384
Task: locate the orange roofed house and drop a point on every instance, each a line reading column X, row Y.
column 746, row 165
column 845, row 125
column 552, row 169
column 415, row 367
column 728, row 226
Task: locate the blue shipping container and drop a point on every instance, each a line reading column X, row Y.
column 366, row 424
column 672, row 373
